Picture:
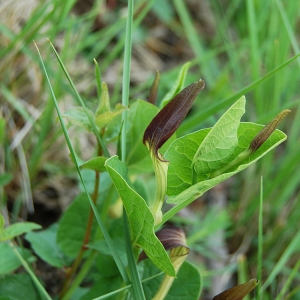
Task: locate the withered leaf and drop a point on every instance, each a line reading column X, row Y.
column 166, row 122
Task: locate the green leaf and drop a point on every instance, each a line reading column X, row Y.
column 2, row 223
column 139, row 116
column 104, row 115
column 104, row 104
column 187, row 284
column 103, row 286
column 9, row 262
column 102, row 120
column 18, row 287
column 177, row 86
column 16, row 229
column 44, row 245
column 181, row 153
column 220, row 142
column 5, row 179
column 96, row 164
column 78, row 116
column 2, row 129
column 238, row 292
column 140, row 218
column 72, row 226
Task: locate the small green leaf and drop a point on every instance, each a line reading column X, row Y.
column 104, row 104
column 78, row 116
column 104, row 119
column 140, row 217
column 5, row 179
column 220, row 142
column 44, row 245
column 96, row 164
column 166, row 122
column 177, row 86
column 104, row 115
column 238, row 292
column 182, row 151
column 17, row 229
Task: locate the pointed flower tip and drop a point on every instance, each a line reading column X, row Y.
column 166, row 122
column 238, row 292
column 264, row 134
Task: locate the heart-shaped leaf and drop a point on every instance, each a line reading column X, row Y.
column 181, row 153
column 140, row 217
column 221, row 140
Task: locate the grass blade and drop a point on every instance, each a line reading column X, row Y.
column 101, row 225
column 136, row 282
column 101, row 142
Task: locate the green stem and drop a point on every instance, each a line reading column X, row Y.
column 160, row 169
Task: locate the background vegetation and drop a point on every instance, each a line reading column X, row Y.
column 237, row 47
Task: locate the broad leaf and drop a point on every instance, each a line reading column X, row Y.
column 140, row 217
column 220, row 142
column 181, row 153
column 18, row 287
column 72, row 226
column 44, row 245
column 17, row 229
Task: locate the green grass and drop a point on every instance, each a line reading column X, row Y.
column 252, row 50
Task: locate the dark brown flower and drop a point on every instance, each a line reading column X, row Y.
column 166, row 122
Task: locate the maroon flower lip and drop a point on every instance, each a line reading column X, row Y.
column 166, row 122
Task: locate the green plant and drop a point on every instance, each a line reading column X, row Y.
column 205, row 166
